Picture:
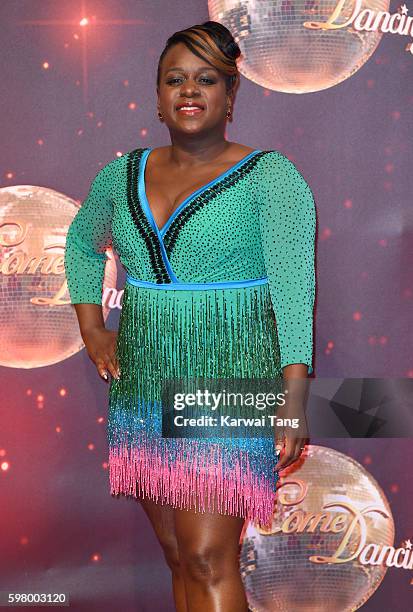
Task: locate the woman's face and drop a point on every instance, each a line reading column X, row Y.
column 186, row 79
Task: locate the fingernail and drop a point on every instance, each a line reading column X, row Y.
column 105, row 376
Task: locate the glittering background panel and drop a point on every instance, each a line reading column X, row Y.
column 75, row 95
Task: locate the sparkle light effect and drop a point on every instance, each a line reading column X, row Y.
column 88, row 25
column 325, row 233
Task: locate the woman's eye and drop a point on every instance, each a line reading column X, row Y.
column 205, row 79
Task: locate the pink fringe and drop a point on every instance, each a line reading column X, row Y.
column 145, row 471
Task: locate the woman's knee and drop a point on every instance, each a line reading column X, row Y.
column 208, row 564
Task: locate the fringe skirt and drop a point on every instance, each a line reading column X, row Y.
column 167, row 334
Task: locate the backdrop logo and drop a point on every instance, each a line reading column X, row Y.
column 346, row 519
column 279, row 53
column 368, row 20
column 331, row 538
column 38, row 324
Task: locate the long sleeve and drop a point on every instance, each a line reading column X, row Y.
column 88, row 236
column 287, row 226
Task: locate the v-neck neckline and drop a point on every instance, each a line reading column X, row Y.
column 145, row 202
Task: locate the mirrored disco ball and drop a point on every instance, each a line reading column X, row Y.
column 281, row 54
column 327, row 509
column 38, row 324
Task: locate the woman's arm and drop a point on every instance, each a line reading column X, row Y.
column 100, row 342
column 296, row 370
column 88, row 237
column 287, row 225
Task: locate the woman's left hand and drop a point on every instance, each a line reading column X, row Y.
column 291, row 450
column 292, row 440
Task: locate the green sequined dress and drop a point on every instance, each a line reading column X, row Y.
column 225, row 289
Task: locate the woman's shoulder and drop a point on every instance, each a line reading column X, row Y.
column 274, row 158
column 278, row 175
column 273, row 163
column 117, row 165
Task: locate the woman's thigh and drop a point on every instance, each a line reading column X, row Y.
column 161, row 517
column 201, row 541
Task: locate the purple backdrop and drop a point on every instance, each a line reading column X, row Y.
column 353, row 144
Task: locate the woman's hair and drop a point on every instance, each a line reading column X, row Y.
column 213, row 42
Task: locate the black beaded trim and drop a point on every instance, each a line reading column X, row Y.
column 140, row 220
column 204, row 197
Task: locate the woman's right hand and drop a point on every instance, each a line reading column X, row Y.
column 100, row 344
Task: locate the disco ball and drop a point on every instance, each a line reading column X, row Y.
column 308, row 560
column 281, row 54
column 38, row 324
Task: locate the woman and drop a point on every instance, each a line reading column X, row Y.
column 216, row 238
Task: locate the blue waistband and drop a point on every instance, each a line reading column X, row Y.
column 197, row 286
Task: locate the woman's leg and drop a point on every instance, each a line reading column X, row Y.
column 209, row 549
column 162, row 520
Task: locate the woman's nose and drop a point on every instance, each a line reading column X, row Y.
column 189, row 87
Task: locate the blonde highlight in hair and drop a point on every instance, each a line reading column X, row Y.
column 212, row 42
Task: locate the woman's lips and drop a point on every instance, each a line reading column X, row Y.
column 190, row 111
